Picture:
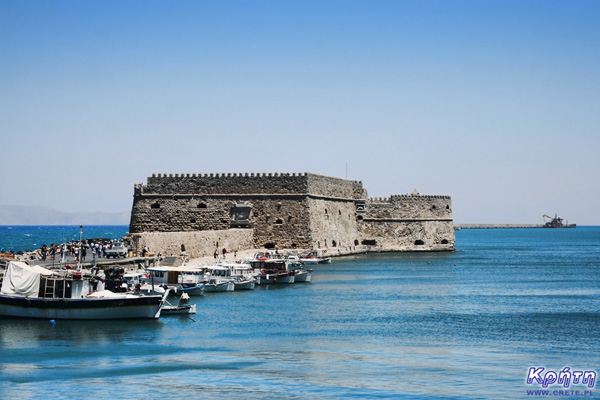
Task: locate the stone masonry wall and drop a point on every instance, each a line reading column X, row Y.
column 408, row 222
column 195, row 244
column 333, row 223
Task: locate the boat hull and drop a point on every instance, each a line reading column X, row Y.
column 192, row 290
column 303, row 277
column 277, row 279
column 173, row 310
column 219, row 287
column 148, row 307
column 245, row 285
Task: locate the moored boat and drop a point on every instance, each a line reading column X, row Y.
column 218, row 279
column 242, row 274
column 273, row 271
column 35, row 292
column 302, row 275
column 183, row 307
column 179, row 279
column 313, row 257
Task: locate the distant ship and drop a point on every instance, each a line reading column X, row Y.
column 556, row 222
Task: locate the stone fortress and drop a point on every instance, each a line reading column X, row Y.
column 197, row 214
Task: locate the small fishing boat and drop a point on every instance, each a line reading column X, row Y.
column 183, row 307
column 218, row 279
column 186, row 279
column 314, row 257
column 30, row 291
column 273, row 271
column 242, row 274
column 302, row 275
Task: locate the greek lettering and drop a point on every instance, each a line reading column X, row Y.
column 549, row 378
column 590, row 378
column 534, row 373
column 565, row 377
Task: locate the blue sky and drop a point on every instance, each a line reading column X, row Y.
column 493, row 103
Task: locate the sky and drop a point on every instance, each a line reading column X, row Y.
column 494, row 103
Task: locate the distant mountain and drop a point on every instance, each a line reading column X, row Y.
column 37, row 215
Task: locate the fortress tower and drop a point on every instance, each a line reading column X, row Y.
column 199, row 213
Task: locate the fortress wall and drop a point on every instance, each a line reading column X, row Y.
column 179, row 214
column 409, row 222
column 333, row 223
column 326, row 186
column 281, row 223
column 286, row 211
column 410, row 207
column 196, row 244
column 230, row 183
column 409, row 235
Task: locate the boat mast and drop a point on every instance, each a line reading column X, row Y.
column 79, row 255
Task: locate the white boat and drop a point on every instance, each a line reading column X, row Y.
column 302, row 275
column 218, row 279
column 273, row 271
column 313, row 257
column 183, row 307
column 242, row 274
column 244, row 284
column 35, row 292
column 186, row 279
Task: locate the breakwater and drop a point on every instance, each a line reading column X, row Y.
column 496, row 226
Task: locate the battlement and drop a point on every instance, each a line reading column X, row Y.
column 250, row 183
column 406, row 197
column 227, row 175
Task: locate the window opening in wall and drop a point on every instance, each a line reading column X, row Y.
column 333, row 243
column 267, row 220
column 447, row 207
column 360, row 217
column 290, row 218
column 193, row 221
column 419, row 242
column 155, row 205
column 270, row 246
column 356, row 242
column 293, row 245
column 201, row 205
column 325, row 211
column 369, row 242
column 445, row 241
column 433, row 207
column 279, row 221
column 340, row 212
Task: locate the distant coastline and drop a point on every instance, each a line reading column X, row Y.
column 39, row 215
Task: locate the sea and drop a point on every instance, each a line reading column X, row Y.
column 508, row 315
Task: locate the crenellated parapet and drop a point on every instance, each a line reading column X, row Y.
column 224, row 175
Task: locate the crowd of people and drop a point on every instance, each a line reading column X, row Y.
column 79, row 250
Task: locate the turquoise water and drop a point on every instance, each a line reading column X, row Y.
column 27, row 238
column 463, row 325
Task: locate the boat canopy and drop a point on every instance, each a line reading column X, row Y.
column 21, row 279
